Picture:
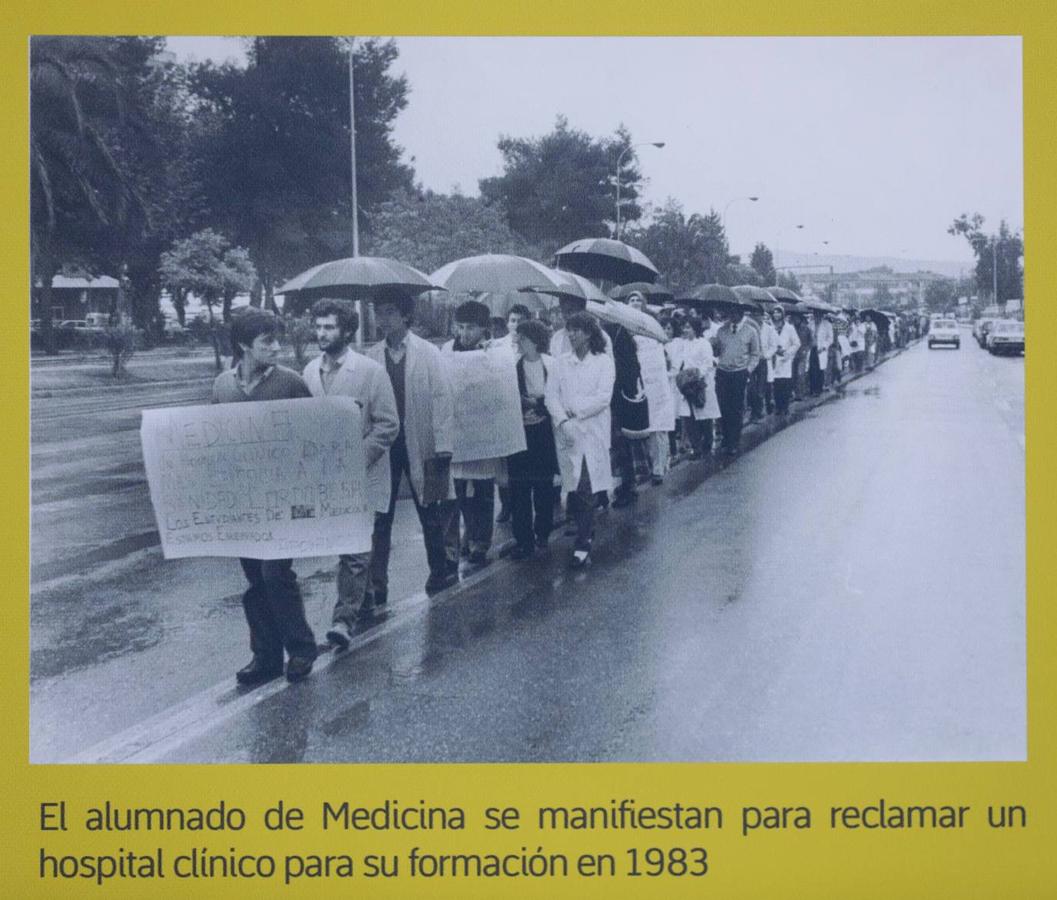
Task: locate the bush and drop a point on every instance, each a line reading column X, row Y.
column 121, row 342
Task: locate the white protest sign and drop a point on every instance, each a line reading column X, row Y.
column 274, row 479
column 487, row 404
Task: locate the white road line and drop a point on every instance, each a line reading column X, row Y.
column 154, row 738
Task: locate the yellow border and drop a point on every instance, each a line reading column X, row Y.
column 973, row 863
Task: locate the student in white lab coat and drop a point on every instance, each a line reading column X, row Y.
column 578, row 398
column 785, row 352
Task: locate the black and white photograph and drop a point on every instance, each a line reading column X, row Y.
column 526, row 399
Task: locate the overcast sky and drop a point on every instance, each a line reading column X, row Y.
column 873, row 144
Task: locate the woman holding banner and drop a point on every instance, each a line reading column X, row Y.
column 577, row 398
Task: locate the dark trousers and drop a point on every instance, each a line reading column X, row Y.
column 730, row 392
column 433, row 518
column 758, row 391
column 624, row 461
column 783, row 393
column 275, row 612
column 527, row 497
column 699, row 433
column 582, row 510
column 476, row 500
column 816, row 375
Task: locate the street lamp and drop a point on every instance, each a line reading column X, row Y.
column 725, row 208
column 620, row 162
column 781, row 233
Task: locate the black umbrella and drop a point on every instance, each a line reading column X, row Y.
column 606, row 258
column 782, row 293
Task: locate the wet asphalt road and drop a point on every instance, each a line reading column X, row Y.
column 852, row 589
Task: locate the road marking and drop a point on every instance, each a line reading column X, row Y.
column 154, row 738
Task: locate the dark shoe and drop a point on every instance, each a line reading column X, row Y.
column 656, row 480
column 437, row 583
column 380, row 598
column 541, row 541
column 522, row 551
column 366, row 614
column 624, row 499
column 298, row 668
column 504, row 515
column 695, row 455
column 258, row 673
column 479, row 558
column 602, row 502
column 340, row 635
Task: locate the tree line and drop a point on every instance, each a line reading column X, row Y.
column 217, row 178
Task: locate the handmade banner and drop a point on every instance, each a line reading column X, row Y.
column 487, row 405
column 276, row 479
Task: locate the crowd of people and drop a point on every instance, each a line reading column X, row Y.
column 603, row 411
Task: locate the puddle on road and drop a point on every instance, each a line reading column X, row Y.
column 108, row 634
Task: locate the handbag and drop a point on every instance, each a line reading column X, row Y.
column 635, row 415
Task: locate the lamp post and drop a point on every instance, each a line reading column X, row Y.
column 620, row 162
column 725, row 208
column 352, row 151
column 994, row 268
column 780, row 235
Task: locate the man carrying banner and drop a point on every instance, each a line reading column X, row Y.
column 275, row 611
column 339, row 371
column 423, row 446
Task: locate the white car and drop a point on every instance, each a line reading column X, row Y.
column 1006, row 338
column 945, row 331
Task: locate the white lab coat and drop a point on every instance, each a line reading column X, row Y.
column 768, row 347
column 429, row 410
column 578, row 396
column 654, row 370
column 789, row 341
column 368, row 384
column 696, row 354
column 823, row 340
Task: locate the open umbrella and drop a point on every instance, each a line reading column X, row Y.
column 715, row 293
column 495, row 273
column 654, row 293
column 572, row 285
column 755, row 294
column 356, row 278
column 634, row 320
column 500, row 304
column 782, row 293
column 606, row 258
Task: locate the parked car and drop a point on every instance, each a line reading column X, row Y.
column 1006, row 338
column 945, row 331
column 980, row 330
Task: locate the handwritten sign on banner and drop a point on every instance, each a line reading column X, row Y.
column 275, row 479
column 487, row 405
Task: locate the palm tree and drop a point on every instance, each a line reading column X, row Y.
column 78, row 191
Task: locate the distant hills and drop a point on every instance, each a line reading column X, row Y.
column 950, row 268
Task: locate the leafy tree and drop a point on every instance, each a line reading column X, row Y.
column 941, row 295
column 275, row 149
column 763, row 262
column 789, row 280
column 687, row 251
column 1006, row 249
column 79, row 192
column 560, row 187
column 739, row 273
column 205, row 264
column 427, row 230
